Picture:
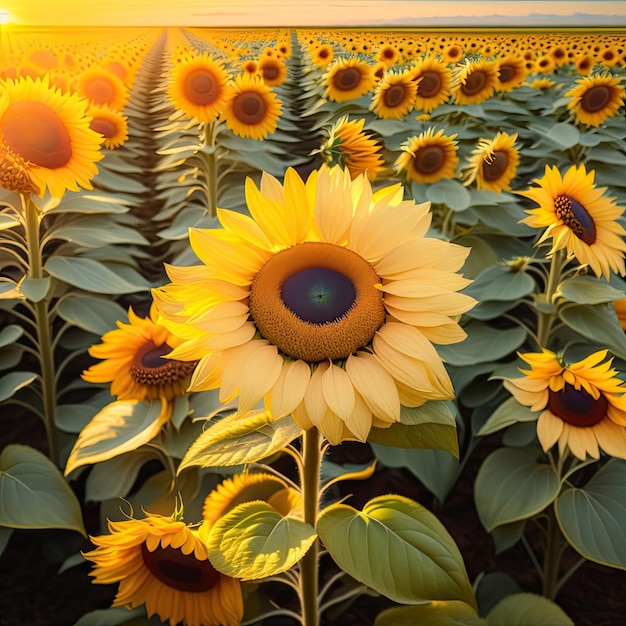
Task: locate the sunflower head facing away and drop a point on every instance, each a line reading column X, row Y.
column 325, row 302
column 493, row 163
column 582, row 404
column 45, row 139
column 595, row 98
column 162, row 563
column 578, row 217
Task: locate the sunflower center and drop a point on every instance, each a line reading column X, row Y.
column 249, row 108
column 100, row 90
column 474, row 83
column 317, row 301
column 323, row 53
column 180, row 571
column 595, row 98
column 150, row 368
column 270, row 72
column 506, row 73
column 201, row 87
column 347, row 79
column 37, row 134
column 577, row 406
column 429, row 85
column 495, row 166
column 105, row 127
column 394, row 96
column 576, row 218
column 429, row 159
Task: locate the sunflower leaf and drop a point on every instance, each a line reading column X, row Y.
column 508, row 413
column 593, row 518
column 398, row 548
column 453, row 613
column 93, row 314
column 588, row 290
column 527, row 609
column 13, row 382
column 34, row 494
column 255, row 541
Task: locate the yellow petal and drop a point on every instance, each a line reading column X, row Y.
column 359, row 422
column 549, row 429
column 289, row 390
column 258, row 376
column 338, row 391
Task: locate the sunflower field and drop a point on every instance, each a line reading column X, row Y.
column 304, row 326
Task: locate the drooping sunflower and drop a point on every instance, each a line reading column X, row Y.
column 102, row 88
column 348, row 145
column 198, row 87
column 578, row 217
column 45, row 139
column 324, row 303
column 273, row 70
column 162, row 563
column 112, row 125
column 394, row 95
column 347, row 79
column 475, row 81
column 493, row 163
column 434, row 81
column 428, row 157
column 595, row 98
column 251, row 108
column 582, row 404
column 511, row 73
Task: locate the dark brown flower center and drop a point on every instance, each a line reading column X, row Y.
column 150, row 368
column 270, row 72
column 106, row 128
column 249, row 108
column 394, row 96
column 429, row 85
column 474, row 83
column 506, row 73
column 347, row 79
column 429, row 159
column 577, row 406
column 495, row 165
column 576, row 218
column 595, row 98
column 180, row 571
column 200, row 87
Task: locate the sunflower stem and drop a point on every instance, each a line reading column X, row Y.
column 211, row 169
column 310, row 482
column 545, row 320
column 32, row 225
column 552, row 557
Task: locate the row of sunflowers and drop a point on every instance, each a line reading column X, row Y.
column 226, row 255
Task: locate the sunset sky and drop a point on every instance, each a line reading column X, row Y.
column 318, row 13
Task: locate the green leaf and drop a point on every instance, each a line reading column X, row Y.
column 565, row 136
column 498, row 282
column 14, row 381
column 508, row 413
column 6, row 221
column 35, row 289
column 72, row 418
column 593, row 518
column 10, row 334
column 97, row 231
column 119, row 427
column 510, row 486
column 92, row 276
column 5, row 536
column 255, row 541
column 398, row 548
column 449, row 192
column 598, row 323
column 527, row 609
column 34, row 494
column 93, row 314
column 588, row 290
column 239, row 439
column 437, row 614
column 114, row 616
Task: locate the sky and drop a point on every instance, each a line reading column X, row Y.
column 314, row 13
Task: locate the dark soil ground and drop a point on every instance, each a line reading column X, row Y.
column 34, row 593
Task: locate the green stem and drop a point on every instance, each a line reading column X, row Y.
column 310, row 481
column 545, row 320
column 211, row 168
column 32, row 223
column 552, row 557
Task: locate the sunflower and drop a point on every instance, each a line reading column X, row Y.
column 347, row 79
column 387, row 54
column 349, row 146
column 394, row 96
column 250, row 66
column 578, row 217
column 511, row 73
column 322, row 54
column 251, row 108
column 324, row 303
column 584, row 64
column 132, row 361
column 45, row 139
column 595, row 98
column 273, row 71
column 475, row 81
column 434, row 80
column 453, row 53
column 428, row 157
column 162, row 563
column 544, row 64
column 102, row 88
column 112, row 125
column 493, row 164
column 582, row 404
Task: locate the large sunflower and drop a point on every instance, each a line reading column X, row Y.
column 162, row 563
column 251, row 108
column 350, row 146
column 493, row 164
column 595, row 98
column 394, row 95
column 45, row 139
column 475, row 81
column 112, row 125
column 434, row 80
column 197, row 87
column 324, row 303
column 428, row 157
column 348, row 79
column 578, row 217
column 582, row 404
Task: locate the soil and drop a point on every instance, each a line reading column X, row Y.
column 34, row 593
